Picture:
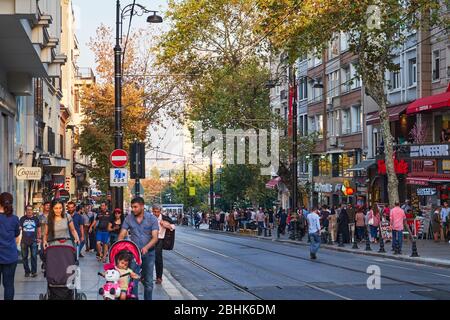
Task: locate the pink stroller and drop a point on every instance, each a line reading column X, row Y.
column 111, row 289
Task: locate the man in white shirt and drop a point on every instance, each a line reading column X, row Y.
column 163, row 225
column 314, row 233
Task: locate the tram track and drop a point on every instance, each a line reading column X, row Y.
column 407, row 282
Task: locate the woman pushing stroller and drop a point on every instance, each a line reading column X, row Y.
column 60, row 225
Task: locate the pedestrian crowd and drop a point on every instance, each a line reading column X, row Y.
column 89, row 230
column 345, row 223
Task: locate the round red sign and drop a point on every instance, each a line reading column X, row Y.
column 119, row 158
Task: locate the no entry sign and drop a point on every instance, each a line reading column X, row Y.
column 119, row 158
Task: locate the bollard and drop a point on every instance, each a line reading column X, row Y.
column 265, row 232
column 381, row 250
column 368, row 248
column 341, row 241
column 414, row 249
column 355, row 244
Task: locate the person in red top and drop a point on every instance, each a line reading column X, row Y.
column 397, row 220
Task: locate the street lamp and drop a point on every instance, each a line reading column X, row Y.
column 128, row 11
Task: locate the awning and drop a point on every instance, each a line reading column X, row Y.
column 363, row 165
column 393, row 112
column 440, row 180
column 430, row 103
column 419, row 181
column 273, row 183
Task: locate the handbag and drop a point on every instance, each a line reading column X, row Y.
column 169, row 237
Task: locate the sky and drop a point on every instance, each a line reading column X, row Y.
column 89, row 14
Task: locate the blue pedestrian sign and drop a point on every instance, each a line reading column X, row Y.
column 118, row 177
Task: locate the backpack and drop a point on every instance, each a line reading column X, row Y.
column 169, row 237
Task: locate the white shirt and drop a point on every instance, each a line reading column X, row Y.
column 313, row 222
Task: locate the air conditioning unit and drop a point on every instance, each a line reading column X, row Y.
column 333, row 141
column 329, row 101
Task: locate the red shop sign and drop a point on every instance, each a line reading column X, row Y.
column 401, row 167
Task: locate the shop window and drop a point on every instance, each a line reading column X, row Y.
column 324, row 165
column 341, row 162
column 412, row 72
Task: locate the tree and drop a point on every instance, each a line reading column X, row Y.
column 141, row 100
column 376, row 30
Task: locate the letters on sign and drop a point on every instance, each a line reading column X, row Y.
column 424, row 166
column 319, row 187
column 426, row 191
column 29, row 173
column 438, row 150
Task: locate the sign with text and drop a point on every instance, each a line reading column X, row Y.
column 28, row 173
column 430, row 151
column 118, row 177
column 446, row 165
column 424, row 167
column 426, row 191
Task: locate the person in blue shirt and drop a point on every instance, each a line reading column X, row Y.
column 9, row 231
column 143, row 228
column 78, row 224
column 31, row 235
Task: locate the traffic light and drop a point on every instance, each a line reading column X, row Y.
column 137, row 160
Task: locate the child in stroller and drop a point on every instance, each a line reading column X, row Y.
column 117, row 272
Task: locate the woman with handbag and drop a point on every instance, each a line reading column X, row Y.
column 436, row 224
column 374, row 220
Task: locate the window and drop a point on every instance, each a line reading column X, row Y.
column 345, row 123
column 436, row 65
column 325, row 165
column 354, row 77
column 346, row 79
column 395, row 78
column 376, row 143
column 62, row 150
column 302, row 124
column 51, row 138
column 356, row 119
column 303, row 88
column 412, row 72
column 344, row 42
column 38, row 99
column 341, row 162
column 311, row 124
column 319, row 125
column 333, row 48
column 317, row 93
column 277, row 90
column 333, row 83
column 39, row 133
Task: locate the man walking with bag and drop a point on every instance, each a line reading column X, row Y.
column 163, row 226
column 314, row 233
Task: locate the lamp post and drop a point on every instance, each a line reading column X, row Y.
column 121, row 14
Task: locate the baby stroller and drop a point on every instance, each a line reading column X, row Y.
column 61, row 271
column 111, row 289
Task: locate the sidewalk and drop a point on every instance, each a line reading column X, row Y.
column 30, row 288
column 430, row 253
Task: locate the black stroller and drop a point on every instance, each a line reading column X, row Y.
column 61, row 271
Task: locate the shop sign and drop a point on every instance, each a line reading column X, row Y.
column 426, row 191
column 438, row 150
column 446, row 166
column 425, row 167
column 29, row 173
column 319, row 187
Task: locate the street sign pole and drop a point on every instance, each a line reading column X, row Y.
column 119, row 159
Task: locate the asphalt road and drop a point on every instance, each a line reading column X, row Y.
column 218, row 266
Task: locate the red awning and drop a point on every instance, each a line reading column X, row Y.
column 437, row 101
column 273, row 183
column 419, row 181
column 394, row 114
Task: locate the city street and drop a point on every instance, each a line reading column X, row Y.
column 220, row 266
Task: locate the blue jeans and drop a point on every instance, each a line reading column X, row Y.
column 7, row 273
column 374, row 232
column 148, row 264
column 315, row 242
column 33, row 249
column 397, row 239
